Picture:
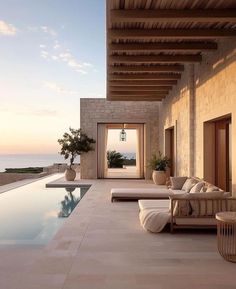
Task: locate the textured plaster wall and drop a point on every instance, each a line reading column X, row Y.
column 214, row 96
column 94, row 111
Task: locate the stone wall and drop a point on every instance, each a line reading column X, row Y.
column 94, row 111
column 175, row 113
column 213, row 96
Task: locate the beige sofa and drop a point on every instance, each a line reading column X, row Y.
column 193, row 203
column 192, row 211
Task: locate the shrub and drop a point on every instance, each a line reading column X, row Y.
column 115, row 159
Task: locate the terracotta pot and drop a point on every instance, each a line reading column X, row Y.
column 159, row 177
column 70, row 174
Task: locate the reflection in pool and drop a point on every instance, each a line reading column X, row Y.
column 70, row 201
column 32, row 214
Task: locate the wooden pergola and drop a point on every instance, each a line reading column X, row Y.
column 150, row 41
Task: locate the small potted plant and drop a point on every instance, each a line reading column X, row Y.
column 73, row 144
column 159, row 165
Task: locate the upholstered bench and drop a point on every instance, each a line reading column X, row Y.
column 140, row 193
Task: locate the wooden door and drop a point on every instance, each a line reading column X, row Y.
column 170, row 149
column 172, row 152
column 222, row 154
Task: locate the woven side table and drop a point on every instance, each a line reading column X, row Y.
column 226, row 235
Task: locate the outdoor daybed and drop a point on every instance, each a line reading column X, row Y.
column 196, row 208
column 161, row 192
column 136, row 194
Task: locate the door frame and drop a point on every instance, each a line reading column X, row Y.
column 144, row 146
column 170, row 146
column 210, row 150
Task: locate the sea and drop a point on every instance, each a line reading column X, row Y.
column 29, row 160
column 36, row 160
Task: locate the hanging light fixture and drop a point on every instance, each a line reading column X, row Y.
column 123, row 134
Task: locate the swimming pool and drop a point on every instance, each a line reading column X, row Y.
column 32, row 214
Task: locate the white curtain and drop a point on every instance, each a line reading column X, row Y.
column 140, row 150
column 102, row 150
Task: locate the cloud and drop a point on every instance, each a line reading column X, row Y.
column 64, row 56
column 49, row 31
column 56, row 52
column 44, row 54
column 59, row 89
column 69, row 59
column 56, row 45
column 7, row 29
column 54, row 57
column 87, row 64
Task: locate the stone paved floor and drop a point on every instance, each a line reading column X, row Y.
column 102, row 246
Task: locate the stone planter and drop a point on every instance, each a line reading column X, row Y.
column 70, row 175
column 159, row 177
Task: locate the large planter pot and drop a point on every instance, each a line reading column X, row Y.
column 70, row 175
column 159, row 177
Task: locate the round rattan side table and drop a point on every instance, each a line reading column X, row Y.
column 226, row 235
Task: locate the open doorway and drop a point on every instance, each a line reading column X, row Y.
column 120, row 151
column 217, row 152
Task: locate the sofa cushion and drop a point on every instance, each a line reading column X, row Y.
column 177, row 182
column 153, row 204
column 177, row 192
column 208, row 187
column 189, row 183
column 182, row 207
column 201, row 207
column 154, row 220
column 212, row 188
column 197, row 187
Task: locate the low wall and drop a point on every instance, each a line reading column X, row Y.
column 7, row 178
column 60, row 168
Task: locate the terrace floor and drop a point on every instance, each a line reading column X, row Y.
column 128, row 172
column 102, row 246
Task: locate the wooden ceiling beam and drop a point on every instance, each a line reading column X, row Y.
column 141, row 88
column 139, row 83
column 200, row 33
column 153, row 59
column 141, row 76
column 163, row 46
column 144, row 81
column 142, row 68
column 129, row 98
column 173, row 15
column 137, row 93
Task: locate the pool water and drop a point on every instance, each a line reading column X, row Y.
column 32, row 214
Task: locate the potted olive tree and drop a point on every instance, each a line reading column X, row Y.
column 159, row 165
column 73, row 144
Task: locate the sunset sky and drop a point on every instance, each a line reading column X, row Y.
column 128, row 146
column 52, row 54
